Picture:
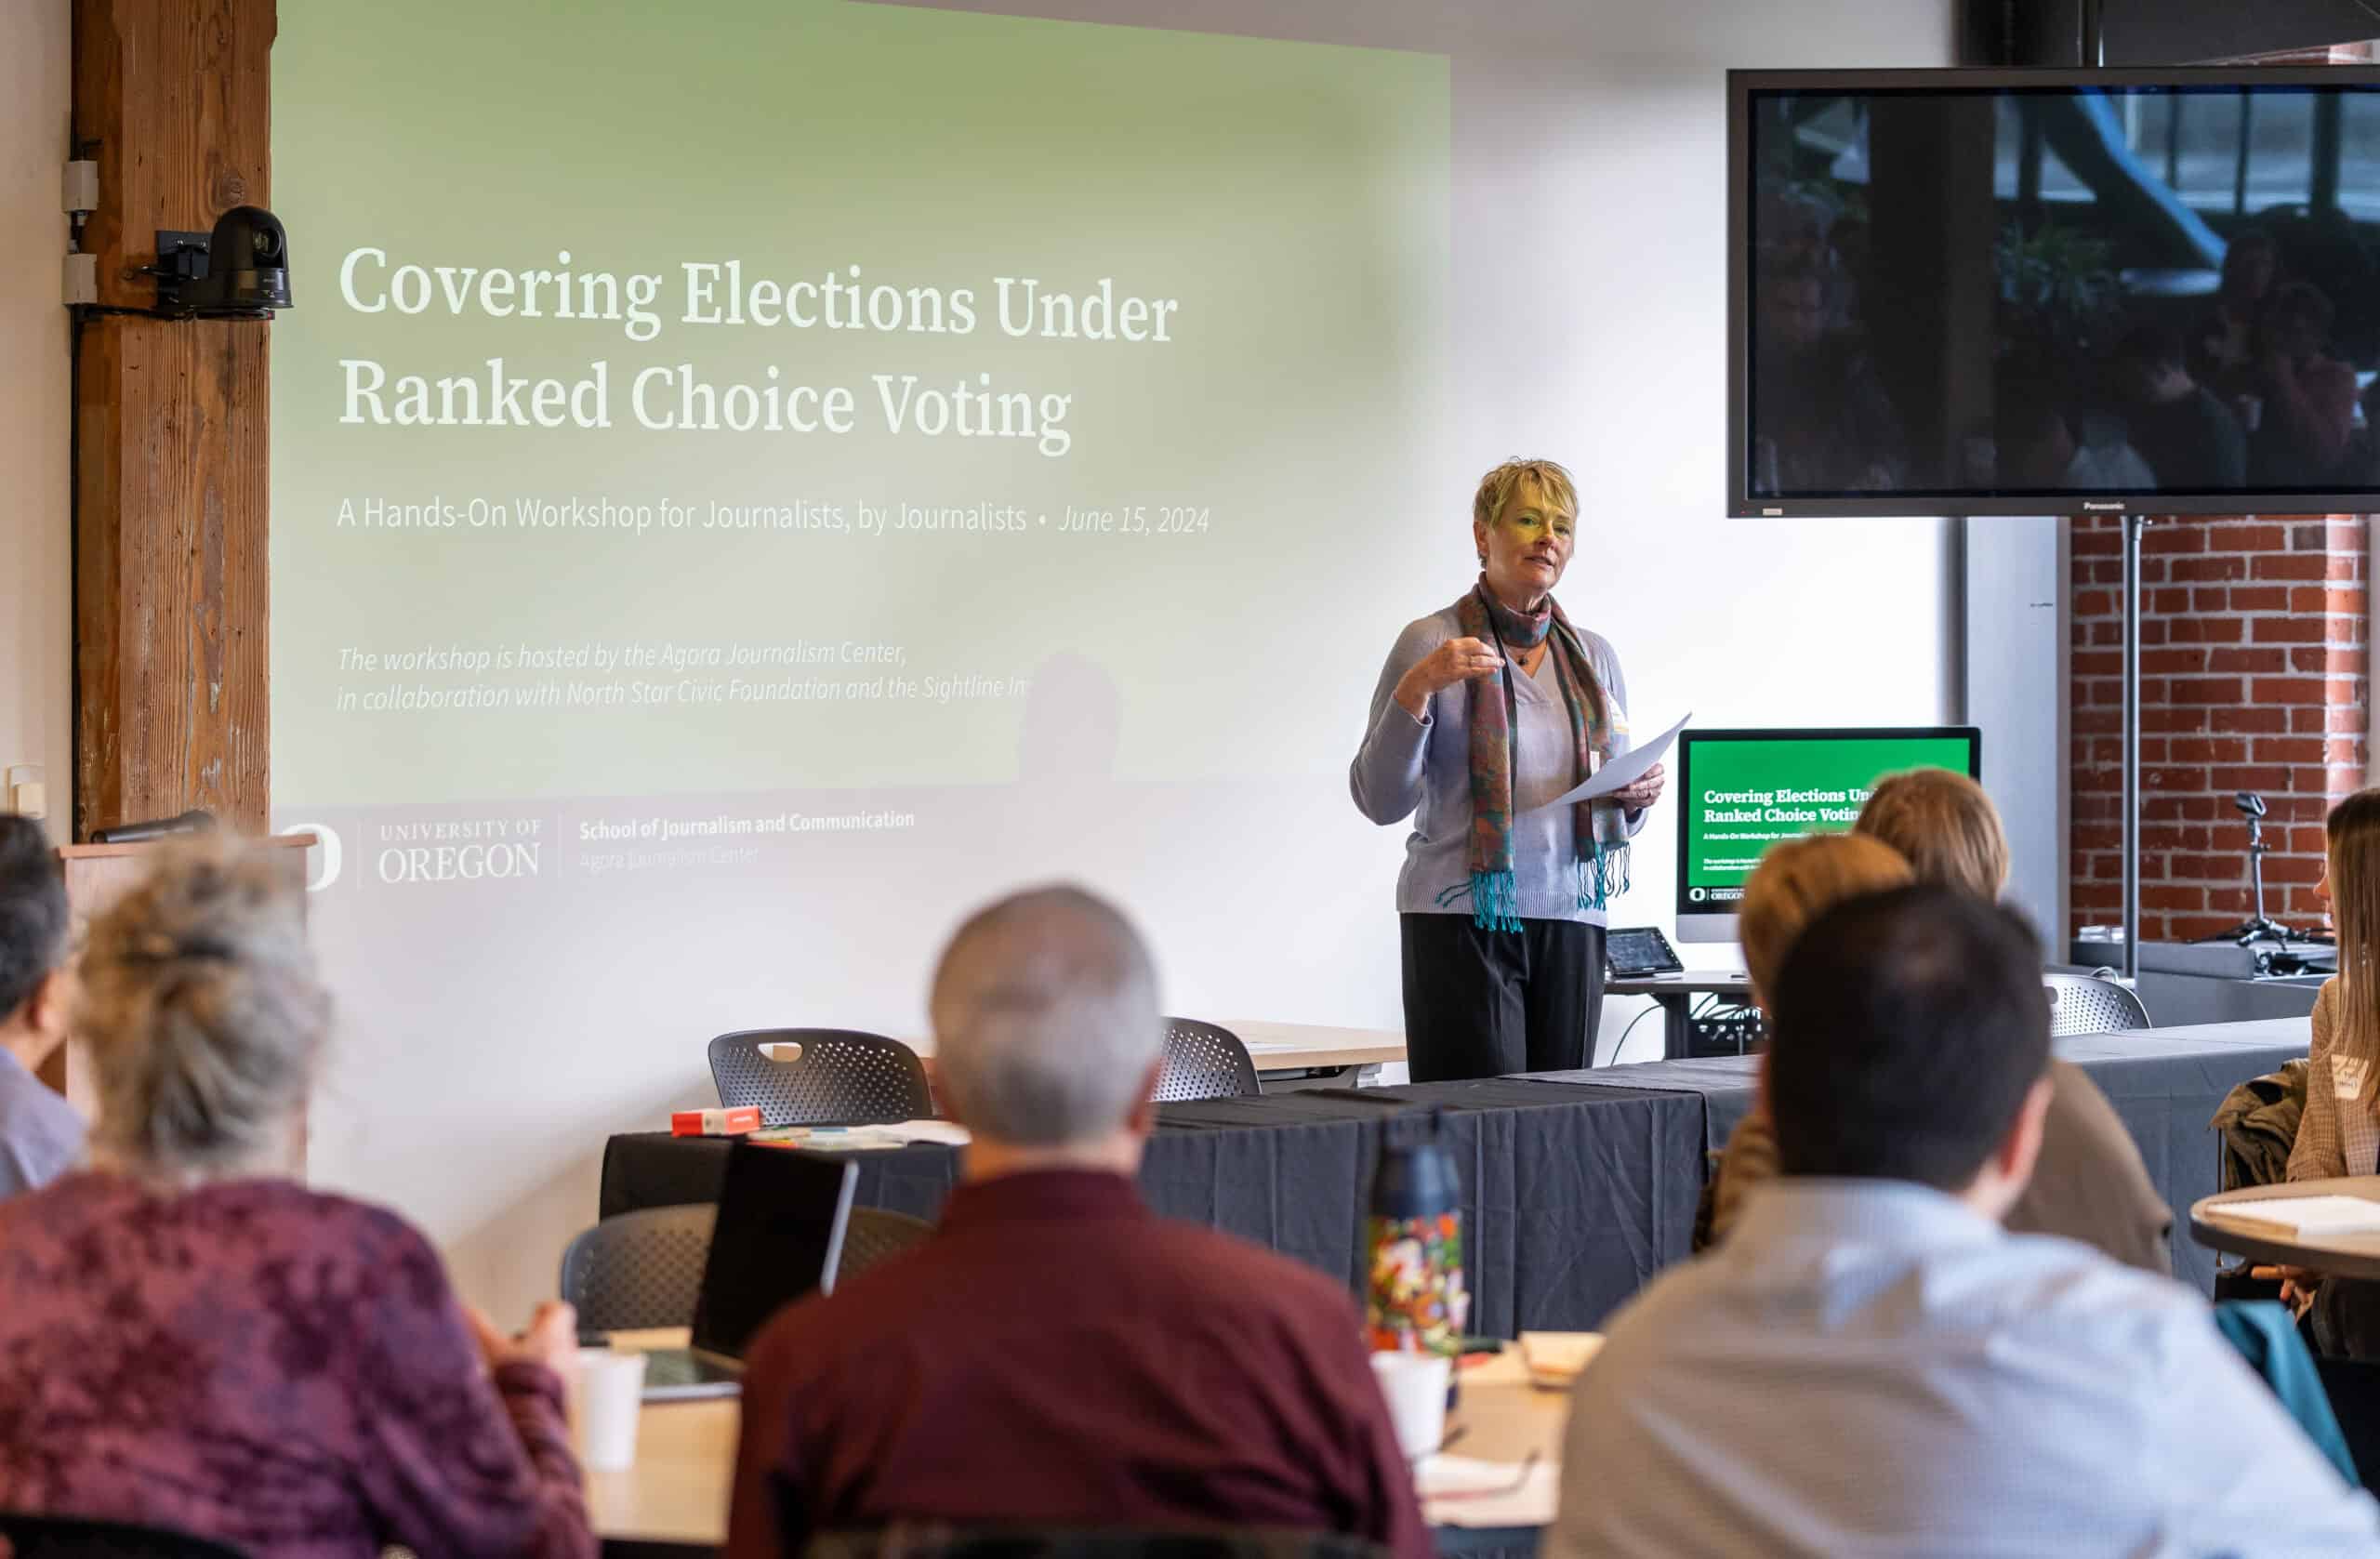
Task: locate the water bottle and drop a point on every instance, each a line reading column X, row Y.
column 1414, row 1300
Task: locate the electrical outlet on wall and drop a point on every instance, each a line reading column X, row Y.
column 22, row 791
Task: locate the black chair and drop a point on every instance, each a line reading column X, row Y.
column 874, row 1234
column 1204, row 1060
column 821, row 1076
column 64, row 1536
column 931, row 1541
column 639, row 1269
column 2087, row 1004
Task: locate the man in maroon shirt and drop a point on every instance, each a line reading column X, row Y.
column 1056, row 1355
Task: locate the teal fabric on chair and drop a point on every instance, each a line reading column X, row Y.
column 2266, row 1334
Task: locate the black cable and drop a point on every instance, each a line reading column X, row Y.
column 1624, row 1033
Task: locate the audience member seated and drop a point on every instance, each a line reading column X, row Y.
column 1872, row 1365
column 2226, row 342
column 2190, row 438
column 2038, row 450
column 2339, row 1132
column 1055, row 1356
column 2092, row 1185
column 2304, row 404
column 40, row 1133
column 1795, row 880
column 1826, row 424
column 189, row 1341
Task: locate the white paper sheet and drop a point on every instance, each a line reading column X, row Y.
column 855, row 1139
column 1621, row 771
column 2307, row 1215
column 1463, row 1491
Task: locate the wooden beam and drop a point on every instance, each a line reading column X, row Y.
column 173, row 98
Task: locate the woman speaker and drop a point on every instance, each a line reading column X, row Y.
column 1487, row 709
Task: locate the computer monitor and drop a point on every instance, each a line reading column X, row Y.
column 1740, row 791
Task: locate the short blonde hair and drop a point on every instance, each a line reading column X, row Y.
column 1496, row 489
column 202, row 1011
column 1797, row 880
column 1944, row 825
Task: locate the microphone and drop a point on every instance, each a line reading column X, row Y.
column 196, row 821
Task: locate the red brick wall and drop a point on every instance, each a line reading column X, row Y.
column 2254, row 676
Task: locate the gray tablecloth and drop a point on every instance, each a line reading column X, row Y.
column 2164, row 1083
column 1573, row 1194
column 1578, row 1186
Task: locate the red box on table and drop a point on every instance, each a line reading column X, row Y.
column 715, row 1123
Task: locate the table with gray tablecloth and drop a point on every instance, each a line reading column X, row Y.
column 1577, row 1186
column 1573, row 1194
column 2164, row 1084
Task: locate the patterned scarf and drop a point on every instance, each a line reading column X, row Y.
column 1600, row 829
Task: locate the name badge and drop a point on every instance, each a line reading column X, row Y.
column 2347, row 1076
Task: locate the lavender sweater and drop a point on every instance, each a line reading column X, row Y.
column 1422, row 768
column 280, row 1370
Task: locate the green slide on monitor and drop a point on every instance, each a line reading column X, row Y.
column 1744, row 790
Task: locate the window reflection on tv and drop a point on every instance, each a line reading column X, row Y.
column 2125, row 293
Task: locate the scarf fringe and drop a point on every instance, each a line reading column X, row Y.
column 1604, row 878
column 1495, row 901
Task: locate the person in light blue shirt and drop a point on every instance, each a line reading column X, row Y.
column 41, row 1134
column 1871, row 1366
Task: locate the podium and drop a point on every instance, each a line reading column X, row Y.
column 95, row 874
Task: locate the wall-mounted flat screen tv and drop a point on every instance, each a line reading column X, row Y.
column 2037, row 292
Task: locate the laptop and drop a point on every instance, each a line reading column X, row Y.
column 781, row 1214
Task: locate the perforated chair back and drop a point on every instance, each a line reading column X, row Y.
column 2087, row 1004
column 1204, row 1060
column 834, row 1077
column 61, row 1537
column 875, row 1234
column 639, row 1269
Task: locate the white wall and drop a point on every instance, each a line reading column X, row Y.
column 37, row 600
column 1588, row 271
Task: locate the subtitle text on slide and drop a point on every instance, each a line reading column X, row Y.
column 513, row 675
column 657, row 844
column 949, row 516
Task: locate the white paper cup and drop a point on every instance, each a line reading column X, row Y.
column 1415, row 1385
column 606, row 1395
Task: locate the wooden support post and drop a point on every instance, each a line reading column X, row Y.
column 173, row 98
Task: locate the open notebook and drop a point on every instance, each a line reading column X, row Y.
column 2307, row 1215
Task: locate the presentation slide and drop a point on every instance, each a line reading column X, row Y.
column 752, row 481
column 697, row 415
column 1742, row 796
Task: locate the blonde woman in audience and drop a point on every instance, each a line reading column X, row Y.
column 2339, row 1133
column 1944, row 826
column 1795, row 881
column 190, row 1339
column 2091, row 1184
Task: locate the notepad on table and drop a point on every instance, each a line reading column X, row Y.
column 1554, row 1358
column 855, row 1139
column 2307, row 1215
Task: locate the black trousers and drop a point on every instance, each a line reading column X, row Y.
column 1481, row 1004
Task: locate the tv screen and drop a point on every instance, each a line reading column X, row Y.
column 1741, row 792
column 1974, row 292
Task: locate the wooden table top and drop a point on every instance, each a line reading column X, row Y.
column 1289, row 1047
column 677, row 1490
column 1294, row 1046
column 2342, row 1255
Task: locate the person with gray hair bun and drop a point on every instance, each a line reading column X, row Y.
column 190, row 1339
column 1055, row 1356
column 40, row 1132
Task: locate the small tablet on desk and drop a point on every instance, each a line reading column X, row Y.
column 1635, row 952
